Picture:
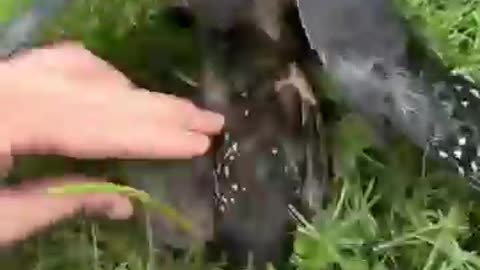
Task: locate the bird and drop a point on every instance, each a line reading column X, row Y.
column 385, row 70
column 270, row 157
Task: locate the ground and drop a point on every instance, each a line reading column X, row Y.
column 391, row 208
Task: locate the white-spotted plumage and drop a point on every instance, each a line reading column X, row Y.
column 443, row 154
column 458, row 153
column 458, row 87
column 224, row 199
column 226, row 171
column 474, row 166
column 475, row 92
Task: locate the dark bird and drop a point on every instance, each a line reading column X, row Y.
column 271, row 156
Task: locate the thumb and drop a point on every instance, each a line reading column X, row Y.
column 27, row 209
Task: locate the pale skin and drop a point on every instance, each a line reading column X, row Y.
column 64, row 100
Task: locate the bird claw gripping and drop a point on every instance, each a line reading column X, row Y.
column 386, row 72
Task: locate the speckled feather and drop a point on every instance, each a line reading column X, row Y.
column 255, row 182
column 262, row 163
column 386, row 71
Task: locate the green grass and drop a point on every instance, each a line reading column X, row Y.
column 390, row 210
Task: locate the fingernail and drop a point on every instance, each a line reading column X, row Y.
column 214, row 117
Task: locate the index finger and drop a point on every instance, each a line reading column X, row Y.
column 192, row 117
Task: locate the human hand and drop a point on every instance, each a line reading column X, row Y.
column 64, row 100
column 27, row 209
